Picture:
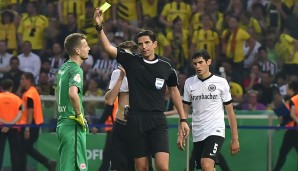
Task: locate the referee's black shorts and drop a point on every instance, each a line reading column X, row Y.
column 148, row 134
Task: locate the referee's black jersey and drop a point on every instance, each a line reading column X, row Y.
column 147, row 81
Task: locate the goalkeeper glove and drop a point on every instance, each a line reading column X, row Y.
column 80, row 119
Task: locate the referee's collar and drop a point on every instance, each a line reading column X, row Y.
column 155, row 60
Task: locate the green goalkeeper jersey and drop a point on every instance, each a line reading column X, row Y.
column 70, row 74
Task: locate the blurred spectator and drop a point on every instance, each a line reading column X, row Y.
column 103, row 69
column 212, row 9
column 291, row 23
column 8, row 30
column 233, row 40
column 51, row 10
column 287, row 47
column 150, row 9
column 172, row 10
column 14, row 73
column 236, row 7
column 87, row 26
column 269, row 42
column 206, row 38
column 251, row 3
column 276, row 13
column 29, row 61
column 74, row 7
column 32, row 28
column 265, row 89
column 4, row 59
column 56, row 60
column 263, row 61
column 51, row 35
column 247, row 21
column 281, row 82
column 44, row 87
column 250, row 56
column 236, row 92
column 259, row 12
column 179, row 41
column 127, row 11
column 68, row 28
column 195, row 22
column 252, row 102
column 253, row 78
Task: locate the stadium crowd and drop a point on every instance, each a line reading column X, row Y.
column 252, row 43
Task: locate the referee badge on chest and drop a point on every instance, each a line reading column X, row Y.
column 159, row 83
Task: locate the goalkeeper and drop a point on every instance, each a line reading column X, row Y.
column 72, row 126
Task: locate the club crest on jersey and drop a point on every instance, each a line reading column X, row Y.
column 77, row 78
column 211, row 87
column 159, row 83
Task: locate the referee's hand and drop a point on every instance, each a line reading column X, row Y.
column 184, row 129
column 180, row 140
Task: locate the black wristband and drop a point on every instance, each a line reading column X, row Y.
column 99, row 27
column 183, row 120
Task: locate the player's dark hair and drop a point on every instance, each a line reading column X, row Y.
column 149, row 33
column 7, row 84
column 129, row 45
column 73, row 41
column 293, row 86
column 29, row 76
column 201, row 54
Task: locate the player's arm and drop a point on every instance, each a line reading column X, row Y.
column 233, row 125
column 75, row 99
column 108, row 48
column 112, row 94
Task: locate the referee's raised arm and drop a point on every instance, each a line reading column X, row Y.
column 107, row 46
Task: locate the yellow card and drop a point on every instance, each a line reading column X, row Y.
column 104, row 7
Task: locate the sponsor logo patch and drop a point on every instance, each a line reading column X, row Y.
column 211, row 87
column 82, row 166
column 77, row 78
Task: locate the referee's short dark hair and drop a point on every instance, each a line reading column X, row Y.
column 149, row 33
column 201, row 53
column 7, row 84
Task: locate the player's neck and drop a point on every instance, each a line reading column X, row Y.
column 77, row 60
column 205, row 75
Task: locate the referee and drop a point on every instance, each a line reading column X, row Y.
column 148, row 76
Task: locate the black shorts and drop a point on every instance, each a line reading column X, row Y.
column 148, row 134
column 208, row 148
column 121, row 158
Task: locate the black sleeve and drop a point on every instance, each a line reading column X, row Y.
column 172, row 79
column 108, row 110
column 124, row 58
column 30, row 103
